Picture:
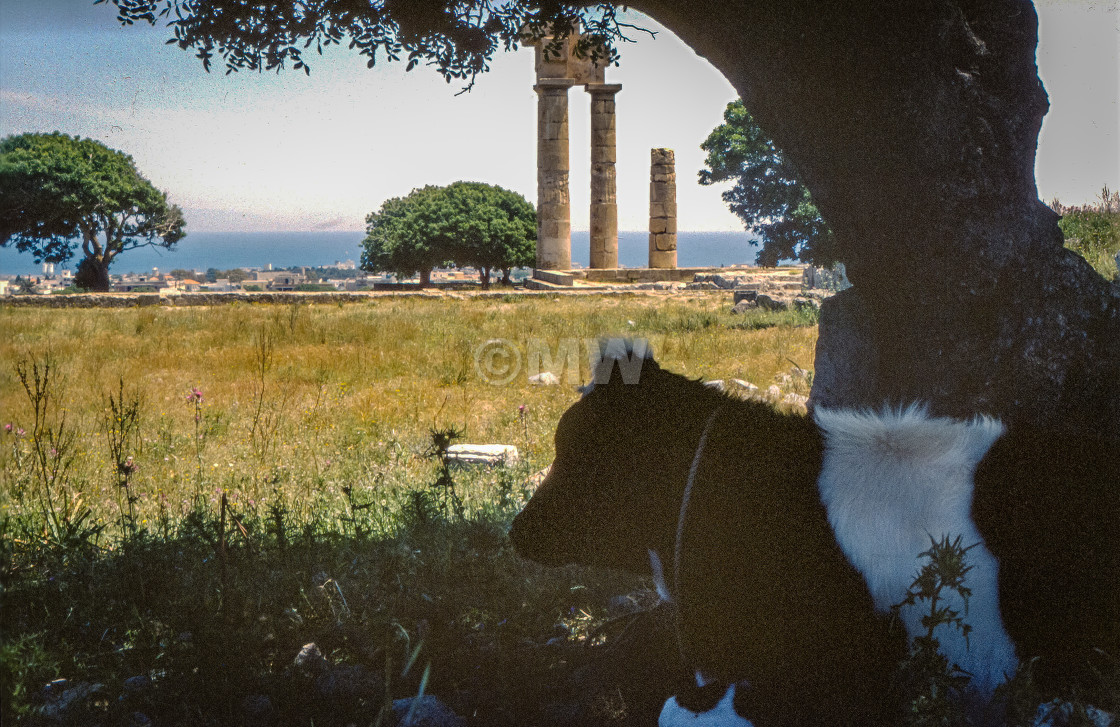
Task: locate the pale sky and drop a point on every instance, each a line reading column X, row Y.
column 261, row 151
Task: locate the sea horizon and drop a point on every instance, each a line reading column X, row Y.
column 225, row 250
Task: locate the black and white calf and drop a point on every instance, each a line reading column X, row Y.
column 783, row 541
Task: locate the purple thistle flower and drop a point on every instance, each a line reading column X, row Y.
column 128, row 468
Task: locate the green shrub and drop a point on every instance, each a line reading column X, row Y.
column 1093, row 231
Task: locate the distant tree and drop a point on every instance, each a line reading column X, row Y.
column 407, row 236
column 766, row 194
column 493, row 229
column 182, row 274
column 59, row 191
column 464, row 224
column 329, row 272
column 24, row 286
column 233, row 275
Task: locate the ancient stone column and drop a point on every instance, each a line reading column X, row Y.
column 662, row 209
column 604, row 202
column 554, row 218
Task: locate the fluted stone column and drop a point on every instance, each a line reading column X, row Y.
column 604, row 202
column 554, row 214
column 662, row 209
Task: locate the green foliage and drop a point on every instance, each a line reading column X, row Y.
column 24, row 286
column 60, row 192
column 766, row 194
column 1093, row 231
column 332, row 273
column 121, row 426
column 233, row 275
column 465, row 223
column 931, row 686
column 457, row 38
column 496, row 229
column 67, row 521
column 405, row 236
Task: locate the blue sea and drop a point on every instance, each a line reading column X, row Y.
column 225, row 250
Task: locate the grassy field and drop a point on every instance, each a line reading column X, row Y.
column 189, row 496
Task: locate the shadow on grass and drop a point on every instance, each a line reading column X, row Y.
column 203, row 626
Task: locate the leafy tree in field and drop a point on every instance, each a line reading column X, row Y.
column 493, row 229
column 407, row 236
column 60, row 191
column 466, row 223
column 766, row 194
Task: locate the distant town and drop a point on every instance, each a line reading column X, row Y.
column 343, row 275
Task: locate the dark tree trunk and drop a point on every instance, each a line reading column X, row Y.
column 915, row 127
column 425, row 278
column 506, row 279
column 92, row 274
column 484, row 278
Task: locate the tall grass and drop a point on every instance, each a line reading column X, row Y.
column 311, row 397
column 191, row 495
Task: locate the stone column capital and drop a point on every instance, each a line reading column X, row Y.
column 603, row 88
column 553, row 84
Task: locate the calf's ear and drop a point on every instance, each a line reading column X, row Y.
column 631, row 357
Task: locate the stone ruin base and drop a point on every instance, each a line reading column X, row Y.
column 721, row 278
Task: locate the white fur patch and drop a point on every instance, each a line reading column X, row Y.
column 890, row 482
column 722, row 715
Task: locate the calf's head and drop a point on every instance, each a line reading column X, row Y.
column 623, row 453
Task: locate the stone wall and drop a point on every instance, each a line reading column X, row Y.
column 131, row 300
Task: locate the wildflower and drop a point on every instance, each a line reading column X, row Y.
column 195, row 397
column 19, row 432
column 8, row 428
column 128, row 468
